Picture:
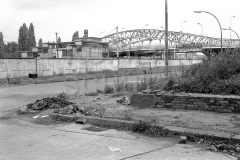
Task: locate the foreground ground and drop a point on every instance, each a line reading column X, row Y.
column 22, row 139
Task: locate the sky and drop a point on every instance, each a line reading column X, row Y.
column 101, row 17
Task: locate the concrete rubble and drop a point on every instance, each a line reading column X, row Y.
column 125, row 100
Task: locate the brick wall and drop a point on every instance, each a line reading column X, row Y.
column 143, row 100
column 215, row 103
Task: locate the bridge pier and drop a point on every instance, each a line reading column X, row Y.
column 150, row 41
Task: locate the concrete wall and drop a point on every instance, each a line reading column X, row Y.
column 22, row 67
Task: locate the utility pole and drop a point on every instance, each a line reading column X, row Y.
column 166, row 39
column 117, row 42
column 57, row 43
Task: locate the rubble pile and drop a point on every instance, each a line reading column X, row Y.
column 46, row 103
column 225, row 147
column 61, row 106
column 125, row 100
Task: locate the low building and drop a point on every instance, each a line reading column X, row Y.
column 90, row 47
column 30, row 54
column 84, row 47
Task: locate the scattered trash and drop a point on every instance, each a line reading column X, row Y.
column 35, row 117
column 125, row 100
column 81, row 121
column 213, row 148
column 183, row 140
column 114, row 149
column 96, row 99
column 201, row 141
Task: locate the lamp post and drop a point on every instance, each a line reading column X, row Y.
column 232, row 31
column 182, row 26
column 57, row 42
column 218, row 23
column 231, row 25
column 201, row 28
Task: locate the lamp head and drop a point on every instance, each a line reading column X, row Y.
column 197, row 11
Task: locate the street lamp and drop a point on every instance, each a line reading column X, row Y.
column 231, row 25
column 218, row 23
column 232, row 31
column 182, row 26
column 57, row 43
column 201, row 28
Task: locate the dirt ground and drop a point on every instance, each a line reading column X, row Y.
column 223, row 122
column 107, row 106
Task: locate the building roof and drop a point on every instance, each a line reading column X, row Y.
column 54, row 43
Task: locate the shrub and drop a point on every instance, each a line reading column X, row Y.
column 218, row 75
column 142, row 85
column 119, row 86
column 108, row 89
column 62, row 96
column 129, row 87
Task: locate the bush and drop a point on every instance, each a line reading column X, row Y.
column 142, row 85
column 62, row 96
column 218, row 75
column 108, row 89
column 119, row 86
column 129, row 87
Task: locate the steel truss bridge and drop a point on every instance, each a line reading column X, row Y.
column 132, row 40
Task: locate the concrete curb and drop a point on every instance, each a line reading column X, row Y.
column 124, row 123
column 97, row 120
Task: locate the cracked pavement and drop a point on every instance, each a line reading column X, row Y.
column 22, row 139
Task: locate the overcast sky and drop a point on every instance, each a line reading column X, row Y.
column 68, row 16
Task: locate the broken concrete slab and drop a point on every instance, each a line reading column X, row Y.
column 39, row 105
column 81, row 120
column 183, row 140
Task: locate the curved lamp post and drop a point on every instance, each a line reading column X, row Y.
column 231, row 25
column 218, row 23
column 201, row 28
column 182, row 26
column 232, row 31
